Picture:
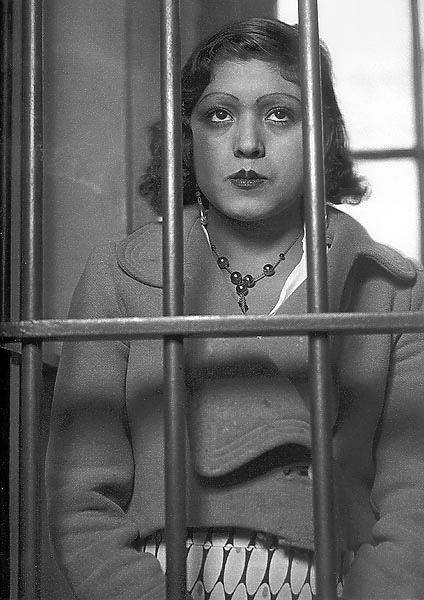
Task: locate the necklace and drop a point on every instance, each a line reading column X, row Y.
column 241, row 282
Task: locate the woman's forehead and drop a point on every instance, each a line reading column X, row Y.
column 247, row 77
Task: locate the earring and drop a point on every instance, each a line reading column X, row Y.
column 203, row 212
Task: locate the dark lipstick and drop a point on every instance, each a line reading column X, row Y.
column 247, row 179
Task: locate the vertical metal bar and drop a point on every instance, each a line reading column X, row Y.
column 175, row 418
column 5, row 157
column 324, row 527
column 31, row 301
column 130, row 30
column 4, row 474
column 5, row 280
column 417, row 66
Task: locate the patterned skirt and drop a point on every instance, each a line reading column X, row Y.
column 234, row 564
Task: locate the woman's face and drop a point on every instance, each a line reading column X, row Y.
column 247, row 141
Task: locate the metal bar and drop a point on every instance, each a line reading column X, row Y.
column 322, row 462
column 31, row 302
column 5, row 453
column 29, row 568
column 131, row 31
column 6, row 29
column 417, row 65
column 210, row 326
column 5, row 157
column 175, row 416
column 416, row 152
column 313, row 157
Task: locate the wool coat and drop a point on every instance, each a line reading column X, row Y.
column 248, row 421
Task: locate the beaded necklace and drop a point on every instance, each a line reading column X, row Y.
column 241, row 282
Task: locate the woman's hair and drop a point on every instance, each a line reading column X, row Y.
column 271, row 41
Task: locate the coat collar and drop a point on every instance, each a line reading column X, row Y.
column 140, row 255
column 351, row 241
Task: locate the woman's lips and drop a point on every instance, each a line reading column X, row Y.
column 247, row 184
column 247, row 180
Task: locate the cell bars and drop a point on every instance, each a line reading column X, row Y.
column 29, row 558
column 173, row 326
column 173, row 304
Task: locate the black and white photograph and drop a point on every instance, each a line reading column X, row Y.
column 212, row 294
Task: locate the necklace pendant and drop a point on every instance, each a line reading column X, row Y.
column 242, row 303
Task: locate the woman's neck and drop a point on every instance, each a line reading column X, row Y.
column 258, row 240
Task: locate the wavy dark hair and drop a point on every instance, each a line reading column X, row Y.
column 272, row 41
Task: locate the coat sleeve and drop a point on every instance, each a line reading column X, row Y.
column 392, row 568
column 90, row 468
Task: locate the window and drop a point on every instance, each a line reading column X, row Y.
column 378, row 64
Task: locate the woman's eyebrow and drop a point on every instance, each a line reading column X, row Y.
column 277, row 95
column 265, row 97
column 219, row 94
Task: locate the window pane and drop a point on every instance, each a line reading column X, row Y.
column 421, row 29
column 370, row 43
column 287, row 11
column 391, row 214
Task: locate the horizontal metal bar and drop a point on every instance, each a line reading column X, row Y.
column 210, row 326
column 384, row 154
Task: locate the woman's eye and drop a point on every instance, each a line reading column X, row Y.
column 279, row 115
column 219, row 116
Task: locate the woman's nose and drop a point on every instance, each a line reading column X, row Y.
column 249, row 141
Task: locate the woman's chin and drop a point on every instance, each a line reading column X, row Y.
column 255, row 214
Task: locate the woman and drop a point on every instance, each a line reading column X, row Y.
column 248, row 461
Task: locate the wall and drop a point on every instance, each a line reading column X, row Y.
column 101, row 93
column 85, row 149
